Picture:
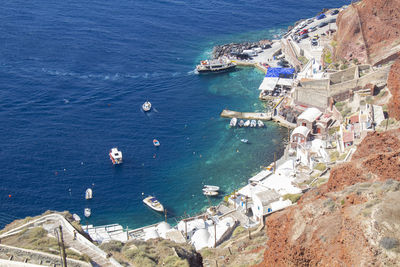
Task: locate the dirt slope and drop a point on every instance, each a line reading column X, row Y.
column 351, row 220
column 369, row 29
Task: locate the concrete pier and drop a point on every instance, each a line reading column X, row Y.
column 226, row 113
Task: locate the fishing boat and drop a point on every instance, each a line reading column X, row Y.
column 115, row 156
column 153, row 203
column 244, row 141
column 241, row 123
column 210, row 193
column 215, row 65
column 247, row 123
column 253, row 123
column 233, row 122
column 260, row 124
column 87, row 212
column 210, row 188
column 89, row 193
column 156, row 142
column 146, row 106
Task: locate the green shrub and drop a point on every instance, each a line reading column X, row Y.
column 339, row 105
column 292, row 197
column 238, row 230
column 320, row 167
column 112, row 245
column 175, row 261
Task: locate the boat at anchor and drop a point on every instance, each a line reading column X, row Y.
column 233, row 122
column 215, row 65
column 153, row 203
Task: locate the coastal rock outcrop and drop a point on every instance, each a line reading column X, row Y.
column 349, row 221
column 369, row 31
column 393, row 84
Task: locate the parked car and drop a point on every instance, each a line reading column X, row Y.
column 312, row 29
column 303, row 32
column 322, row 16
column 332, row 20
column 316, row 36
column 334, row 12
column 322, row 24
column 304, row 36
column 314, row 42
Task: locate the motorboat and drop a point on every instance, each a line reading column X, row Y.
column 115, row 156
column 87, row 212
column 241, row 123
column 215, row 65
column 156, row 142
column 247, row 123
column 210, row 193
column 146, row 106
column 89, row 193
column 253, row 123
column 260, row 124
column 210, row 188
column 244, row 141
column 153, row 203
column 233, row 122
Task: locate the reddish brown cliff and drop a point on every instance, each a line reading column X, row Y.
column 369, row 30
column 394, row 87
column 351, row 220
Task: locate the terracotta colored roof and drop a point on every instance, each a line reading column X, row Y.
column 348, row 136
column 354, row 119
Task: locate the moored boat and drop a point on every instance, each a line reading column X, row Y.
column 210, row 188
column 156, row 142
column 253, row 123
column 215, row 65
column 153, row 203
column 87, row 212
column 247, row 123
column 244, row 141
column 241, row 123
column 233, row 122
column 89, row 193
column 115, row 156
column 210, row 193
column 146, row 106
column 260, row 123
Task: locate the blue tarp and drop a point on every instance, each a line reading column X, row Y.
column 280, row 72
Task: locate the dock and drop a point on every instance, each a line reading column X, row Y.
column 226, row 113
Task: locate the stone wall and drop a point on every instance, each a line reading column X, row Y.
column 344, row 75
column 312, row 97
column 35, row 257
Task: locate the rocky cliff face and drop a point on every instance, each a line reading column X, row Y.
column 369, row 30
column 350, row 221
column 394, row 87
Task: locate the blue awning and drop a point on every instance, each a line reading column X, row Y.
column 280, row 72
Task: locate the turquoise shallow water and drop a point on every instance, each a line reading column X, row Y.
column 73, row 76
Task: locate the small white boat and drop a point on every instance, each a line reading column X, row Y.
column 153, row 203
column 244, row 141
column 210, row 188
column 247, row 123
column 146, row 106
column 233, row 122
column 87, row 212
column 241, row 123
column 210, row 193
column 89, row 193
column 253, row 123
column 115, row 156
column 260, row 124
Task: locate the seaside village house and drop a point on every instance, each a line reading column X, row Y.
column 263, row 194
column 307, row 126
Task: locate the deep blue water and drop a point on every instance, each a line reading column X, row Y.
column 73, row 75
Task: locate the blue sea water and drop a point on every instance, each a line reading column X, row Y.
column 73, row 76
